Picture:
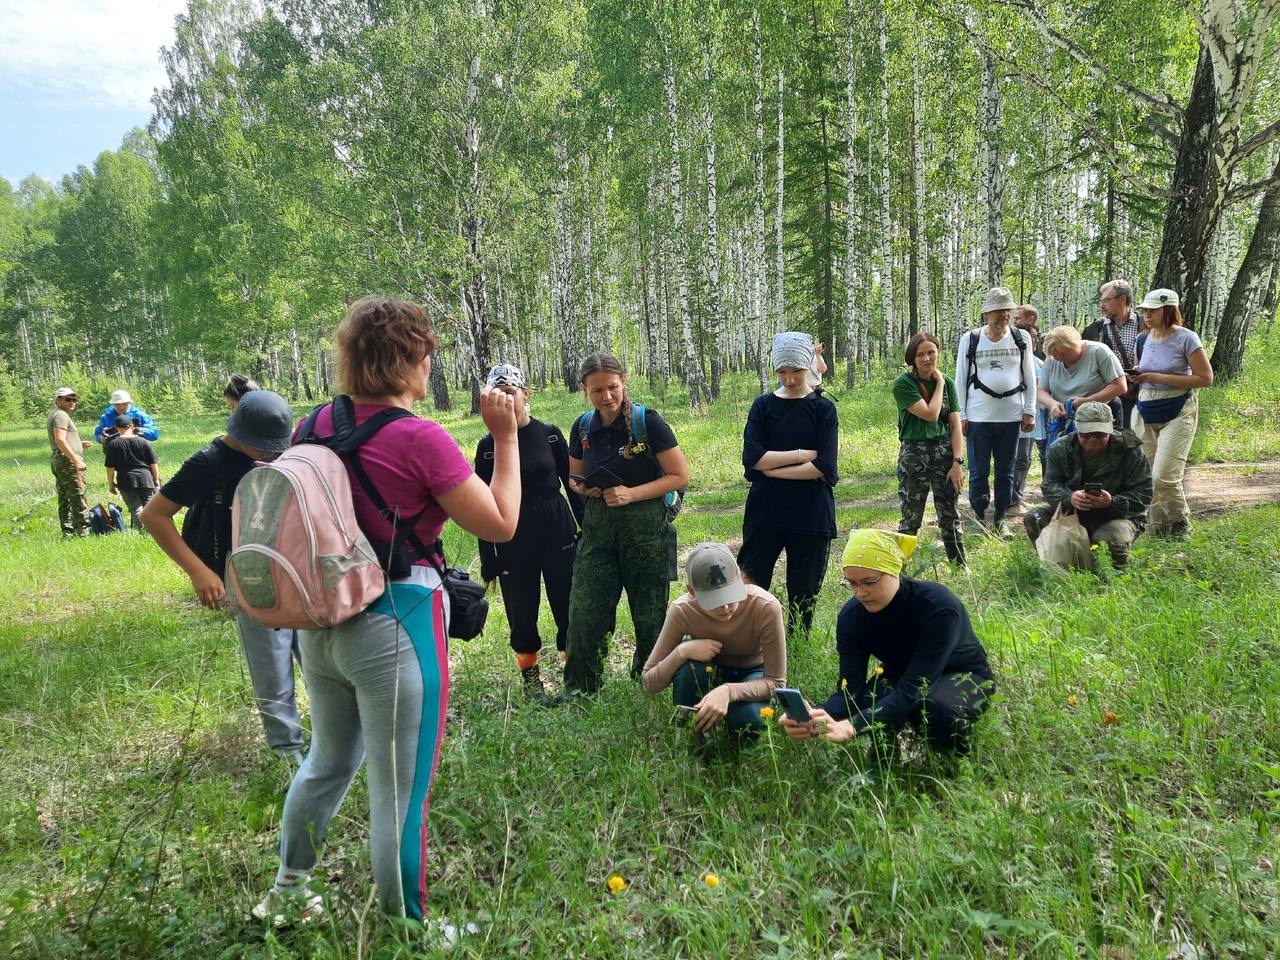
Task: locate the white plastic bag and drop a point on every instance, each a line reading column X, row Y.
column 1065, row 542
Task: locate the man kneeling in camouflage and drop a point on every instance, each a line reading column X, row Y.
column 1100, row 474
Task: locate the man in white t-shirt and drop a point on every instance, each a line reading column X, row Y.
column 996, row 382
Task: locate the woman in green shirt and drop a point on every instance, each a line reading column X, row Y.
column 930, row 457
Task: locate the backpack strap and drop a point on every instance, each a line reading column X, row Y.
column 1137, row 349
column 973, row 381
column 346, row 441
column 640, row 430
column 1116, row 343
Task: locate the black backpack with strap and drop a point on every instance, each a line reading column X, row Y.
column 972, row 380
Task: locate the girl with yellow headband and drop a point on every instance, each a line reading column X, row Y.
column 933, row 670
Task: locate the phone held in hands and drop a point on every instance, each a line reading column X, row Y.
column 1093, row 487
column 792, row 704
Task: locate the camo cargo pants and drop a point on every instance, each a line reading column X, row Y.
column 629, row 548
column 923, row 466
column 73, row 502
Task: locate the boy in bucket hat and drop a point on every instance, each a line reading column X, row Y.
column 722, row 648
column 258, row 429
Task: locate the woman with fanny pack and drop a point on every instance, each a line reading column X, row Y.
column 1171, row 363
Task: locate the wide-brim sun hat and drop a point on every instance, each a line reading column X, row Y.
column 121, row 396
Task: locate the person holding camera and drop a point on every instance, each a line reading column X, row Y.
column 722, row 648
column 933, row 672
column 379, row 683
column 1101, row 474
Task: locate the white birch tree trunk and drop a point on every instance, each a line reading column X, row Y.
column 991, row 109
column 759, row 291
column 924, row 291
column 855, row 347
column 698, row 392
column 884, row 246
column 713, row 318
column 779, row 319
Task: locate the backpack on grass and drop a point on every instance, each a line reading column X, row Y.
column 298, row 556
column 640, row 434
column 106, row 518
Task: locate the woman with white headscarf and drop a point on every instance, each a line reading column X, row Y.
column 789, row 448
column 932, row 670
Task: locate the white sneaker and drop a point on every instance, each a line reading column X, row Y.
column 449, row 934
column 282, row 909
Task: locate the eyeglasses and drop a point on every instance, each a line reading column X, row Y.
column 856, row 585
column 1093, row 436
column 1108, row 299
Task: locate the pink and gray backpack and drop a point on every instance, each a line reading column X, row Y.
column 298, row 556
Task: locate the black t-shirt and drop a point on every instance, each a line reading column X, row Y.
column 607, row 446
column 205, row 485
column 131, row 458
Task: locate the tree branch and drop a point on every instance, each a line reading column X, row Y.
column 1164, row 105
column 1259, row 139
column 1246, row 190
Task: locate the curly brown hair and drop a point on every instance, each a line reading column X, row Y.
column 379, row 345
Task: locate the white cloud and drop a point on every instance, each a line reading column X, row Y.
column 97, row 53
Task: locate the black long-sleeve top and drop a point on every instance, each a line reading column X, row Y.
column 924, row 633
column 802, row 506
column 544, row 470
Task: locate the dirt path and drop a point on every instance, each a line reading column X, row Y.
column 1211, row 488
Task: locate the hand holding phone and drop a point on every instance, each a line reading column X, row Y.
column 792, row 704
column 1093, row 488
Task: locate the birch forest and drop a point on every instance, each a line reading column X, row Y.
column 673, row 180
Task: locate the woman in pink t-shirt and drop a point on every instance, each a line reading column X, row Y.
column 379, row 682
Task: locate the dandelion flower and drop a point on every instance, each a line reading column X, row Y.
column 617, row 884
column 879, row 670
column 843, row 683
column 709, row 668
column 1093, row 546
column 1071, row 700
column 711, row 880
column 1110, row 718
column 766, row 713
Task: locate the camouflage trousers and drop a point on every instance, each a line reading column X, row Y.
column 923, row 466
column 621, row 548
column 73, row 502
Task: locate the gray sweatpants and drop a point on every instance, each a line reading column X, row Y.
column 378, row 686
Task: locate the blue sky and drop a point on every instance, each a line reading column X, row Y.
column 75, row 77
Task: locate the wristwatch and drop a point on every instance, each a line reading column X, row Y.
column 959, row 460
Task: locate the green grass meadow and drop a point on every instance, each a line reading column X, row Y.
column 1123, row 800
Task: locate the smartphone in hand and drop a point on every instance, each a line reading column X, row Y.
column 1093, row 488
column 792, row 704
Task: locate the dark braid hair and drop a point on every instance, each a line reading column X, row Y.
column 601, row 362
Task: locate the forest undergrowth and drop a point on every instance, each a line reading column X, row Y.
column 1123, row 800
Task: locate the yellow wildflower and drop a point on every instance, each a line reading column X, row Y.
column 1071, row 700
column 879, row 670
column 617, row 884
column 766, row 713
column 1110, row 718
column 711, row 880
column 843, row 683
column 710, row 668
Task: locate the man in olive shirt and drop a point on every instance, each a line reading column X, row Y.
column 68, row 466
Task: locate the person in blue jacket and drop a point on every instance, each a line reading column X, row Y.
column 933, row 671
column 122, row 405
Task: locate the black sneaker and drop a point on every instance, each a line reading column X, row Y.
column 531, row 677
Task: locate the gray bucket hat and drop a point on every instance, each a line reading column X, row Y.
column 262, row 421
column 998, row 298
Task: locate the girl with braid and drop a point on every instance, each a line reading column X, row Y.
column 627, row 541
